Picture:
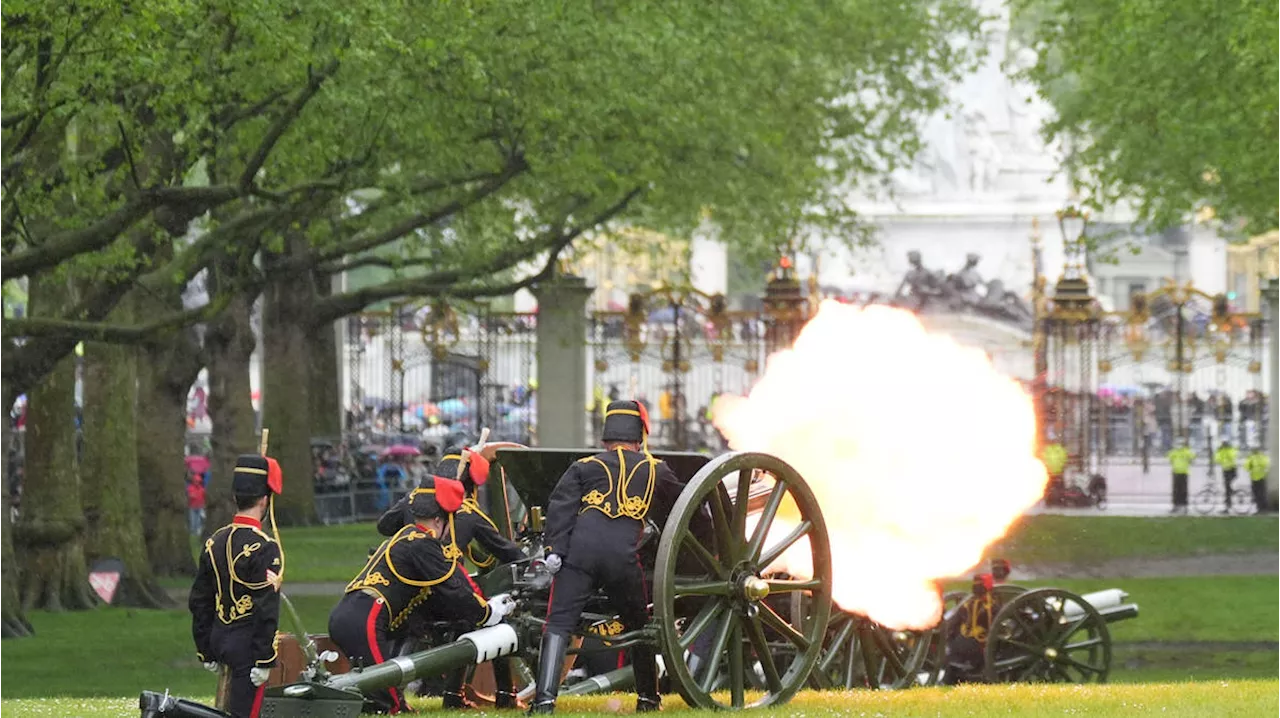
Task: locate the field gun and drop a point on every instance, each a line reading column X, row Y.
column 708, row 595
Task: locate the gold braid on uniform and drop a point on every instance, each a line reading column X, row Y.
column 275, row 528
column 471, row 506
column 623, row 503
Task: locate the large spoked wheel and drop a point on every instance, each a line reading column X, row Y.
column 714, row 625
column 860, row 653
column 935, row 665
column 1048, row 635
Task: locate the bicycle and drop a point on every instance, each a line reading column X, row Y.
column 1212, row 497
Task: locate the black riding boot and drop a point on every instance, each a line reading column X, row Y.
column 645, row 667
column 453, row 697
column 504, row 694
column 550, row 663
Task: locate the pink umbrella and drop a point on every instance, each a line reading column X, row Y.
column 401, row 450
column 197, row 464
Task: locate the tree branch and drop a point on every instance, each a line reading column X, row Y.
column 282, row 123
column 366, row 241
column 446, row 282
column 80, row 331
column 67, row 244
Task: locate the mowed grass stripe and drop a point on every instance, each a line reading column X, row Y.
column 1225, row 699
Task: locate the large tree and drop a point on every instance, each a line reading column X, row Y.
column 472, row 138
column 1168, row 104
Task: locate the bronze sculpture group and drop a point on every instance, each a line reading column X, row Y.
column 923, row 290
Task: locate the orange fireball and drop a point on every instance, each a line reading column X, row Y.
column 920, row 453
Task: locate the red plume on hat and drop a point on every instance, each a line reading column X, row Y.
column 275, row 477
column 644, row 415
column 449, row 493
column 477, row 466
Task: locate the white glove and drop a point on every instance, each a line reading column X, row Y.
column 552, row 562
column 500, row 606
column 258, row 676
column 211, row 666
column 328, row 656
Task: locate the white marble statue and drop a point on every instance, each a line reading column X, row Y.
column 985, row 157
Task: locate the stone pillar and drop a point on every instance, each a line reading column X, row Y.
column 562, row 362
column 1271, row 310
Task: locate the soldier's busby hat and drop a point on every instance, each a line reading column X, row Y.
column 256, row 475
column 475, row 469
column 625, row 421
column 436, row 496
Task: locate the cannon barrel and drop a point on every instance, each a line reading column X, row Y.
column 471, row 648
column 1110, row 604
column 615, row 681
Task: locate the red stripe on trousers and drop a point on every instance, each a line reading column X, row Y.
column 371, row 632
column 257, row 701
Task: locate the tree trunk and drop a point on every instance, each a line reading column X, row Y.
column 285, row 396
column 13, row 620
column 229, row 345
column 49, row 536
column 165, row 376
column 324, row 387
column 112, row 500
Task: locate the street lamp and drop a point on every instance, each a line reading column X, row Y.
column 1073, row 222
column 1071, row 294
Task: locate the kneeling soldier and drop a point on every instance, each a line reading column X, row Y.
column 409, row 573
column 235, row 601
column 595, row 518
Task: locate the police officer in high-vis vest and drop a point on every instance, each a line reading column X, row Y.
column 1258, row 465
column 235, row 601
column 1180, row 462
column 1226, row 457
column 595, row 520
column 407, row 574
column 1055, row 464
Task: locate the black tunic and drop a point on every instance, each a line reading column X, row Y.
column 469, row 523
column 235, row 607
column 237, row 589
column 595, row 519
column 411, row 572
column 603, row 500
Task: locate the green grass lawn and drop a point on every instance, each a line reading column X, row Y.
column 1093, row 539
column 118, row 652
column 336, row 553
column 1234, row 699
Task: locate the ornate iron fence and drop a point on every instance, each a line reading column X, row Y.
column 675, row 350
column 440, row 373
column 1123, row 388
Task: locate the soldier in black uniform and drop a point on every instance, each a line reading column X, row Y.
column 466, row 525
column 235, row 601
column 595, row 519
column 469, row 523
column 408, row 574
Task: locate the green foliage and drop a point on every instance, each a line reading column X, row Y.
column 1170, row 104
column 757, row 112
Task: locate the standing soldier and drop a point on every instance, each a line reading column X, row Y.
column 595, row 518
column 1180, row 461
column 1055, row 463
column 407, row 574
column 235, row 601
column 1258, row 465
column 1226, row 457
